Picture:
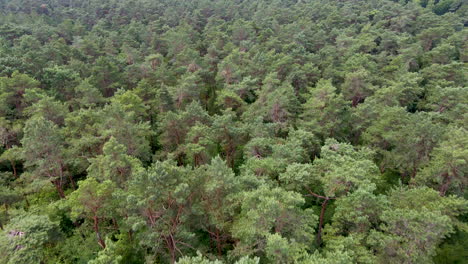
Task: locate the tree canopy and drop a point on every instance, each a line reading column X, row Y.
column 248, row 132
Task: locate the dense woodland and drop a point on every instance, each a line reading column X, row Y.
column 233, row 131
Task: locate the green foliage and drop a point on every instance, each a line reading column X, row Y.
column 43, row 152
column 159, row 201
column 325, row 111
column 114, row 164
column 337, row 257
column 251, row 132
column 271, row 210
column 87, row 95
column 94, row 202
column 409, row 236
column 276, row 103
column 12, row 94
column 339, row 170
column 452, row 250
column 25, row 238
column 448, row 166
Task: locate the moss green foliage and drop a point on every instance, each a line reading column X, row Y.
column 229, row 131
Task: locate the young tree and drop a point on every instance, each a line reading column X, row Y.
column 200, row 259
column 276, row 103
column 159, row 201
column 106, row 75
column 94, row 201
column 61, row 81
column 10, row 132
column 25, row 239
column 357, row 86
column 47, row 107
column 448, row 101
column 8, row 197
column 86, row 95
column 355, row 215
column 114, row 164
column 44, row 153
column 229, row 134
column 122, row 122
column 414, row 143
column 340, row 170
column 174, row 127
column 12, row 90
column 14, row 157
column 414, row 225
column 324, row 111
column 187, row 90
column 83, row 133
column 199, row 146
column 266, row 211
column 219, row 185
column 409, row 236
column 447, row 169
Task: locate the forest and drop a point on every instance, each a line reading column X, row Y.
column 233, row 131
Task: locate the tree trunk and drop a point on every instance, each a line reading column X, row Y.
column 171, row 248
column 13, row 166
column 444, row 187
column 322, row 213
column 218, row 243
column 70, row 177
column 72, row 181
column 98, row 235
column 59, row 188
column 355, row 101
